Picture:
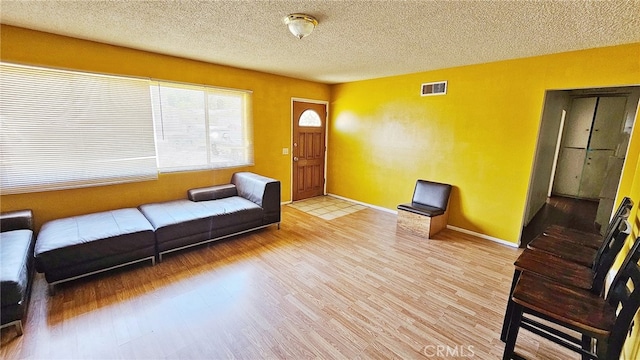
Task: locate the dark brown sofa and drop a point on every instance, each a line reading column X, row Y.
column 16, row 259
column 248, row 203
column 70, row 248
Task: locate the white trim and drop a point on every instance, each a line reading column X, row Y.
column 483, row 236
column 557, row 153
column 451, row 227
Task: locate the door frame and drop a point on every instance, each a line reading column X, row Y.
column 619, row 90
column 326, row 142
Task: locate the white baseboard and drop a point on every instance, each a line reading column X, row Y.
column 364, row 204
column 455, row 228
column 483, row 236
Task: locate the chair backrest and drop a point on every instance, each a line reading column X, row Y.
column 624, row 292
column 608, row 237
column 431, row 193
column 608, row 252
column 623, row 211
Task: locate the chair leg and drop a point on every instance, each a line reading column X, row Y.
column 512, row 335
column 602, row 349
column 586, row 345
column 508, row 311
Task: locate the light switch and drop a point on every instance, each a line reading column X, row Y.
column 285, row 151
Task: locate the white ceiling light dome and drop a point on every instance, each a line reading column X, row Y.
column 300, row 25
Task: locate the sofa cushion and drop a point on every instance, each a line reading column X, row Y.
column 15, row 255
column 420, row 209
column 74, row 240
column 212, row 192
column 183, row 218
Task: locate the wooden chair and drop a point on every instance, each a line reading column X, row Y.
column 608, row 321
column 586, row 238
column 427, row 213
column 574, row 249
column 569, row 273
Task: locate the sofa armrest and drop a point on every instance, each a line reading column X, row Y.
column 16, row 220
column 212, row 192
column 263, row 191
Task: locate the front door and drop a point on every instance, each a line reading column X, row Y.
column 309, row 124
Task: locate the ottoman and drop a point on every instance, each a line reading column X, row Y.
column 70, row 248
column 16, row 260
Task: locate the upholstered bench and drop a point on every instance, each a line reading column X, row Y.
column 427, row 213
column 16, row 264
column 70, row 248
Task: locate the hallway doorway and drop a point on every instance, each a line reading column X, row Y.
column 553, row 172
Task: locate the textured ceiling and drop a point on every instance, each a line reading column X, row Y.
column 355, row 40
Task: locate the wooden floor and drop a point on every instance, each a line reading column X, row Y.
column 573, row 213
column 352, row 287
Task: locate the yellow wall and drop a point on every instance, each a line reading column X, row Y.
column 271, row 112
column 479, row 137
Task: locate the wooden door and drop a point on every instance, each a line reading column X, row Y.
column 309, row 124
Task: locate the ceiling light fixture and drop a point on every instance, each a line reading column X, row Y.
column 300, row 25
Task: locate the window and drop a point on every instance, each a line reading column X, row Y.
column 310, row 118
column 64, row 129
column 200, row 127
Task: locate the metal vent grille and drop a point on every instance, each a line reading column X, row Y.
column 434, row 88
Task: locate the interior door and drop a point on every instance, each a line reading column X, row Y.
column 607, row 125
column 578, row 125
column 593, row 173
column 309, row 149
column 570, row 166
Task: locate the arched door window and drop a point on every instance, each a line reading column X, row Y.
column 310, row 118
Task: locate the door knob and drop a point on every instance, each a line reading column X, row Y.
column 295, row 158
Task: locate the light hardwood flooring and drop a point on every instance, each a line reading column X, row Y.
column 352, row 287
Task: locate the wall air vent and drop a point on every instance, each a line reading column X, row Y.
column 434, row 88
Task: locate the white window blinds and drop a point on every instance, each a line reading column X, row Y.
column 64, row 129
